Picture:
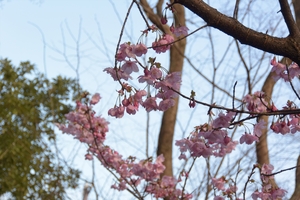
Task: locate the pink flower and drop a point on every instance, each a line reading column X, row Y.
column 139, row 95
column 223, row 121
column 129, row 66
column 294, row 70
column 166, row 104
column 259, row 127
column 150, row 104
column 139, row 49
column 295, row 126
column 163, row 44
column 278, row 193
column 173, row 81
column 281, row 70
column 155, row 73
column 88, row 156
column 267, row 169
column 121, row 186
column 200, row 149
column 95, row 99
column 256, row 102
column 181, row 30
column 219, row 183
column 280, row 127
column 121, row 73
column 263, row 196
column 248, row 138
column 231, row 190
column 131, row 109
column 117, row 112
column 168, row 182
column 125, row 50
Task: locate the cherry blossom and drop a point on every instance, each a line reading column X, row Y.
column 129, row 66
column 150, row 104
column 139, row 49
column 223, row 121
column 248, row 138
column 178, row 31
column 283, row 71
column 219, row 183
column 256, row 102
column 121, row 74
column 280, row 127
column 268, row 191
column 95, row 99
column 117, row 112
column 257, row 131
column 163, row 44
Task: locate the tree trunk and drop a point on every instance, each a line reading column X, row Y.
column 165, row 140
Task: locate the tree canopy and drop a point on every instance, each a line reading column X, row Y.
column 29, row 103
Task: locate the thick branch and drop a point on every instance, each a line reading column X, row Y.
column 289, row 46
column 288, row 18
column 296, row 4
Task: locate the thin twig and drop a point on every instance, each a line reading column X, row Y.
column 290, row 81
column 248, row 180
column 281, row 171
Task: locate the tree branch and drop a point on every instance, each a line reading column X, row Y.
column 288, row 18
column 289, row 46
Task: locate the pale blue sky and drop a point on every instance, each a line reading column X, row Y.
column 21, row 40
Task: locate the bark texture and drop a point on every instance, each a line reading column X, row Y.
column 166, row 134
column 288, row 46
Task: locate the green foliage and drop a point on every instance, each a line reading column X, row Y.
column 29, row 104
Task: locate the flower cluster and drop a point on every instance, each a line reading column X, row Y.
column 131, row 98
column 287, row 124
column 163, row 43
column 219, row 184
column 287, row 73
column 91, row 129
column 206, row 141
column 269, row 190
column 84, row 125
column 249, row 138
column 124, row 55
column 256, row 102
column 180, row 30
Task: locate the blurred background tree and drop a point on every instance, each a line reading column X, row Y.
column 29, row 104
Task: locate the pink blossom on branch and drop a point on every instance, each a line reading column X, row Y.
column 91, row 129
column 219, row 183
column 162, row 44
column 285, row 72
column 95, row 99
column 256, row 102
column 129, row 66
column 248, row 138
column 259, row 127
column 121, row 74
column 205, row 143
column 223, row 121
column 268, row 191
column 178, row 31
column 128, row 50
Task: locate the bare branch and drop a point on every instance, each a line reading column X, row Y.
column 289, row 46
column 288, row 18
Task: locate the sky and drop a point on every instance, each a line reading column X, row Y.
column 46, row 31
column 53, row 34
